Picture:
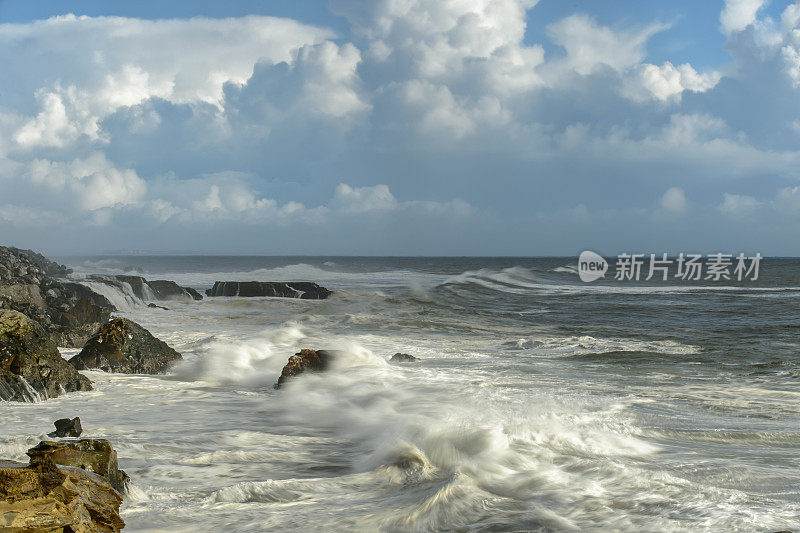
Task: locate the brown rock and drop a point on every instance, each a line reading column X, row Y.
column 95, row 455
column 43, row 498
column 305, row 361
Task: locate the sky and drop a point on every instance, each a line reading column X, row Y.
column 400, row 127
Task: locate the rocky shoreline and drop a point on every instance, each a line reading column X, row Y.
column 75, row 484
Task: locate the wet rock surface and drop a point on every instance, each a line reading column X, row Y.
column 403, row 358
column 305, row 361
column 67, row 427
column 29, row 284
column 124, row 346
column 42, row 497
column 159, row 289
column 304, row 290
column 31, row 368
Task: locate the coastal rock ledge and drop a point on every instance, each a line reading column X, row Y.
column 31, row 368
column 305, row 290
column 124, row 346
column 41, row 497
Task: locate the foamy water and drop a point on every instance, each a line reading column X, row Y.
column 539, row 403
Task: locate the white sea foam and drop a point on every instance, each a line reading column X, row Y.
column 480, row 434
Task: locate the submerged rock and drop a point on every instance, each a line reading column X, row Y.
column 41, row 497
column 31, row 368
column 304, row 290
column 95, row 455
column 154, row 306
column 124, row 346
column 305, row 361
column 403, row 358
column 67, row 427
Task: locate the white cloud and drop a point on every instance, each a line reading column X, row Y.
column 101, row 63
column 674, row 201
column 737, row 15
column 787, row 201
column 330, row 79
column 363, row 199
column 92, row 183
column 589, row 45
column 737, row 204
column 667, row 81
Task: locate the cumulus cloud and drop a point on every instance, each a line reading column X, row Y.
column 101, row 63
column 89, row 183
column 737, row 15
column 674, row 201
column 589, row 46
column 667, row 81
column 437, row 113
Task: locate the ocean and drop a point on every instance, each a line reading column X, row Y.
column 540, row 403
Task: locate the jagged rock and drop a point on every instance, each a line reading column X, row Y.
column 31, row 368
column 27, row 285
column 67, row 427
column 158, row 289
column 403, row 358
column 43, row 498
column 95, row 455
column 293, row 289
column 305, row 361
column 193, row 293
column 124, row 346
column 79, row 322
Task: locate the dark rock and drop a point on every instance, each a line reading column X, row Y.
column 95, row 455
column 403, row 358
column 193, row 293
column 41, row 497
column 305, row 361
column 66, row 427
column 28, row 285
column 124, row 346
column 154, row 306
column 293, row 289
column 137, row 284
column 31, row 367
column 168, row 290
column 79, row 322
column 159, row 289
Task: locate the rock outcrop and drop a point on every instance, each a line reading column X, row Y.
column 95, row 455
column 305, row 361
column 31, row 368
column 293, row 289
column 403, row 358
column 124, row 346
column 193, row 293
column 67, row 427
column 28, row 285
column 159, row 289
column 41, row 497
